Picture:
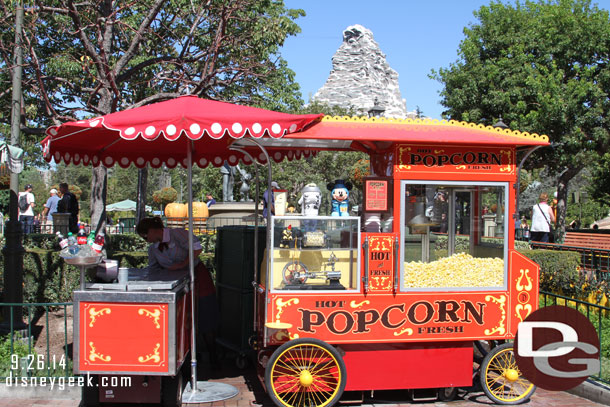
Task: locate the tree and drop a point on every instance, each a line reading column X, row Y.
column 98, row 57
column 543, row 67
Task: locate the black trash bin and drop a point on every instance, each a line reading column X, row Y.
column 234, row 275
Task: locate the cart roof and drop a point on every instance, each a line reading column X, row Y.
column 162, row 133
column 346, row 133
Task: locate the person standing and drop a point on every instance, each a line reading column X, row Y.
column 169, row 250
column 26, row 205
column 68, row 204
column 542, row 217
column 50, row 207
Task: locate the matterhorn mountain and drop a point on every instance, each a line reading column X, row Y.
column 361, row 76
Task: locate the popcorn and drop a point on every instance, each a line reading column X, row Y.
column 459, row 270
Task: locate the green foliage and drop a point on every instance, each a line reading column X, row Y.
column 8, row 351
column 601, row 180
column 558, row 271
column 47, row 278
column 165, row 195
column 542, row 67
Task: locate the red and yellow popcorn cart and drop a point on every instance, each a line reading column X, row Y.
column 394, row 298
column 398, row 297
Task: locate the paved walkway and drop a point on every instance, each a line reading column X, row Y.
column 251, row 394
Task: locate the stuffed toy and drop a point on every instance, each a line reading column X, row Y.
column 310, row 200
column 339, row 191
column 286, row 237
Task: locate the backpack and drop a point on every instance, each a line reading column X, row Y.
column 23, row 203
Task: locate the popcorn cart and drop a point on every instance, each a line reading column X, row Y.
column 396, row 298
column 405, row 295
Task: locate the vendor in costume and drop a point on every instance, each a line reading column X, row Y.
column 168, row 250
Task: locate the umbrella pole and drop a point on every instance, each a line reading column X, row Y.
column 199, row 392
column 192, row 270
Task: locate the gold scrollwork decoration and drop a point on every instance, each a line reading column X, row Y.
column 460, row 167
column 155, row 315
column 284, row 335
column 509, row 159
column 383, row 244
column 93, row 355
column 355, row 304
column 93, row 314
column 528, row 281
column 520, row 307
column 280, row 304
column 501, row 301
column 154, row 356
column 408, row 331
column 381, row 283
column 401, row 151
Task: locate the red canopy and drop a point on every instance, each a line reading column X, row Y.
column 426, row 131
column 127, row 137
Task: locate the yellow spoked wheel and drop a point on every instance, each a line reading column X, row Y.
column 305, row 372
column 502, row 380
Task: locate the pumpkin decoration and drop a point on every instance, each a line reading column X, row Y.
column 176, row 210
column 200, row 210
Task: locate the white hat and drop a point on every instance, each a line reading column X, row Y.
column 53, row 191
column 275, row 185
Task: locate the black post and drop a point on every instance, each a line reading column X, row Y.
column 13, row 249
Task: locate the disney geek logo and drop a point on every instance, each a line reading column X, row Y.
column 557, row 348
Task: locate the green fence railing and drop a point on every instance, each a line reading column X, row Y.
column 34, row 340
column 599, row 317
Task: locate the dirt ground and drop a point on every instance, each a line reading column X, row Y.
column 58, row 332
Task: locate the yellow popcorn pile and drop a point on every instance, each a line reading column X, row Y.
column 459, row 270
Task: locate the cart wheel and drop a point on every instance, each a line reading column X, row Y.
column 292, row 268
column 502, row 380
column 305, row 372
column 447, row 393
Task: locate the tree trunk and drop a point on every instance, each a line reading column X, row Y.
column 141, row 200
column 98, row 198
column 562, row 199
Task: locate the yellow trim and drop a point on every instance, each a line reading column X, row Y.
column 435, row 122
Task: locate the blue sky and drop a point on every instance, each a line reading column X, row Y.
column 416, row 36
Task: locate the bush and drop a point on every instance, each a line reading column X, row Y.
column 47, row 278
column 560, row 273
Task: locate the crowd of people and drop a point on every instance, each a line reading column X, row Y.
column 62, row 201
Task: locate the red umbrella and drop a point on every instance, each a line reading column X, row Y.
column 184, row 131
column 158, row 134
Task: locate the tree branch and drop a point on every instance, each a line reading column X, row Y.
column 137, row 38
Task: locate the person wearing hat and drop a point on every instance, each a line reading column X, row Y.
column 50, row 207
column 269, row 200
column 26, row 209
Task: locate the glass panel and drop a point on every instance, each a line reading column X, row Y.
column 315, row 253
column 453, row 235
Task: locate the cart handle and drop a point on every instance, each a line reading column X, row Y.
column 365, row 277
column 396, row 264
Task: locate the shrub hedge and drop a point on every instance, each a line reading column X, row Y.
column 47, row 278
